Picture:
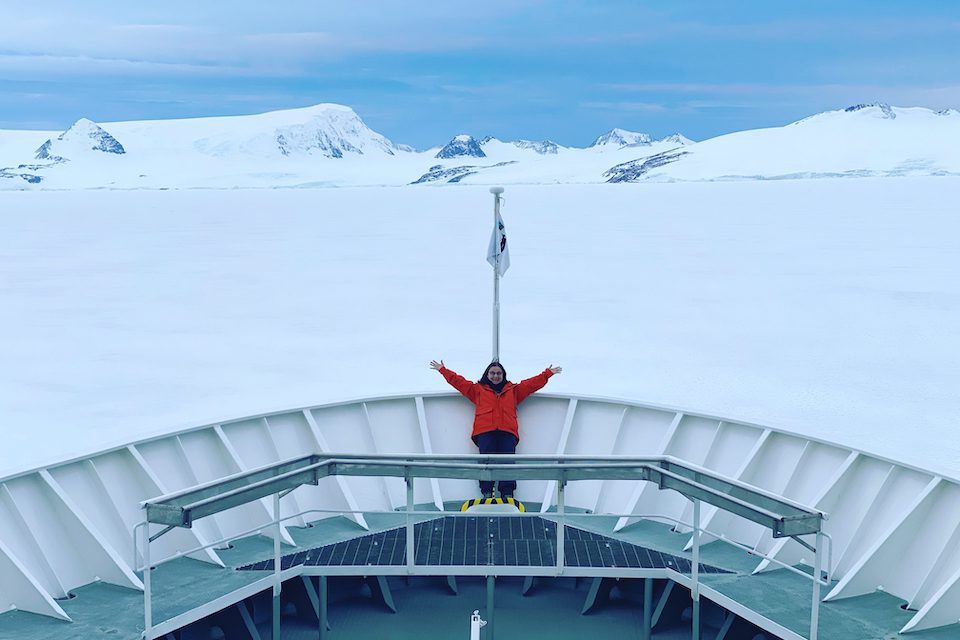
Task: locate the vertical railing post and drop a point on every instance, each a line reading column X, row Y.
column 410, row 549
column 147, row 602
column 560, row 522
column 695, row 571
column 323, row 607
column 815, row 610
column 491, row 582
column 647, row 609
column 276, row 567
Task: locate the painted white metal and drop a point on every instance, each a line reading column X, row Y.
column 561, row 449
column 817, row 573
column 285, row 536
column 900, row 488
column 856, row 491
column 449, row 422
column 206, row 460
column 347, row 428
column 593, row 431
column 394, row 428
column 428, row 448
column 871, row 571
column 695, row 571
column 947, row 562
column 690, row 442
column 323, row 447
column 187, row 473
column 475, row 624
column 772, row 469
column 111, row 521
column 15, row 532
column 892, row 525
column 641, row 487
column 710, row 440
column 368, row 435
column 248, row 621
column 641, row 428
column 21, row 589
column 533, row 412
column 196, row 533
column 291, row 504
column 606, row 487
column 758, row 445
column 940, row 610
column 102, row 557
column 816, row 502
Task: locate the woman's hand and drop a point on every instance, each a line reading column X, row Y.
column 555, row 370
column 437, row 365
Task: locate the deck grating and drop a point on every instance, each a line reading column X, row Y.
column 486, row 540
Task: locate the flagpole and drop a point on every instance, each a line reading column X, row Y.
column 496, row 191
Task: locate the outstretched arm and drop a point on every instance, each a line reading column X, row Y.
column 530, row 385
column 458, row 382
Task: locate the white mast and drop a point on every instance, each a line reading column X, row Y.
column 496, row 191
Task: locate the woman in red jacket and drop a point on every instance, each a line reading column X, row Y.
column 495, row 428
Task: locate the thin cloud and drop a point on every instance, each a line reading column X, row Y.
column 636, row 107
column 28, row 65
column 701, row 87
column 883, row 29
column 857, row 92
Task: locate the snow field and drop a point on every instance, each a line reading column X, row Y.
column 826, row 307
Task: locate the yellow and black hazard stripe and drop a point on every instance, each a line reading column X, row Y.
column 478, row 501
column 516, row 503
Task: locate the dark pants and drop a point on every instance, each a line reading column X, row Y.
column 497, row 442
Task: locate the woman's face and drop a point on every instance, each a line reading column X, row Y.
column 495, row 375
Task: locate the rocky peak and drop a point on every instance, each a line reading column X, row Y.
column 676, row 139
column 884, row 108
column 543, row 147
column 621, row 138
column 461, row 145
column 83, row 135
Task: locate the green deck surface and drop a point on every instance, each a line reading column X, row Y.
column 428, row 610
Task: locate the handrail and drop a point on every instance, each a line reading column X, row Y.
column 458, row 514
column 783, row 517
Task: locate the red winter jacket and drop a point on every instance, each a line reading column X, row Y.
column 495, row 411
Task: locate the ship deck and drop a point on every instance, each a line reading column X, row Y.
column 186, row 587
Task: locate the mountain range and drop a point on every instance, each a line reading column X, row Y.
column 329, row 145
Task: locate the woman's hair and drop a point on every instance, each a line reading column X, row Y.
column 484, row 380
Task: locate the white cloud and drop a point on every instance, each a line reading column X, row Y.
column 636, row 107
column 27, row 67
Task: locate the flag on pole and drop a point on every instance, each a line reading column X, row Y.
column 498, row 247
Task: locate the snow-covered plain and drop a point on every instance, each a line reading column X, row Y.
column 828, row 307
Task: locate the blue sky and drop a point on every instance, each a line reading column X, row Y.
column 421, row 73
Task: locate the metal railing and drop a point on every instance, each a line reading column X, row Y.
column 782, row 516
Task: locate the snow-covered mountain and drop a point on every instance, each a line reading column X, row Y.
column 462, row 146
column 862, row 140
column 328, row 130
column 81, row 138
column 329, row 145
column 621, row 138
column 539, row 146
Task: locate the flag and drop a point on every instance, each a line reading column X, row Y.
column 498, row 247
